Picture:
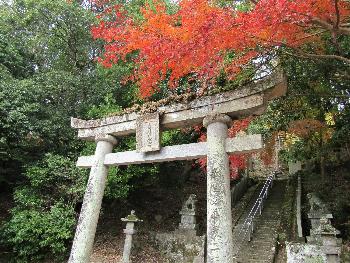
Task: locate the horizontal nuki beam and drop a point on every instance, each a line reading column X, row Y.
column 243, row 144
column 248, row 100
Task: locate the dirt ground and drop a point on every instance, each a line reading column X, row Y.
column 109, row 249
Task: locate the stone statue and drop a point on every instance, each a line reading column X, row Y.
column 325, row 228
column 188, row 214
column 316, row 203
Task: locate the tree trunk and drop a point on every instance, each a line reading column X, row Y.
column 347, row 149
column 323, row 167
column 322, row 161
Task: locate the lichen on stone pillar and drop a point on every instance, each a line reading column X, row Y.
column 217, row 117
column 219, row 217
column 88, row 218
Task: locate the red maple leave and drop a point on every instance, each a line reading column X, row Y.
column 236, row 161
column 195, row 39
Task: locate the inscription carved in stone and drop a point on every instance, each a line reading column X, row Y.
column 147, row 133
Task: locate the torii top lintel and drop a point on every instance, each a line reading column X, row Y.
column 248, row 100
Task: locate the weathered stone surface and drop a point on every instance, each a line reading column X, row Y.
column 301, row 253
column 316, row 204
column 294, row 167
column 188, row 214
column 168, row 153
column 219, row 218
column 85, row 232
column 313, row 253
column 245, row 101
column 244, row 144
column 217, row 117
column 325, row 234
column 318, row 209
column 322, row 244
column 181, row 247
column 85, row 161
column 183, row 244
column 147, row 133
column 298, row 213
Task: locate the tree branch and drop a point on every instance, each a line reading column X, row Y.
column 316, row 56
column 302, row 54
column 330, row 27
column 336, row 26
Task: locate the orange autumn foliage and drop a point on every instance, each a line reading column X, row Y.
column 303, row 128
column 307, row 127
column 195, row 39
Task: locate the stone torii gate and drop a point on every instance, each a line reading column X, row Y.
column 215, row 112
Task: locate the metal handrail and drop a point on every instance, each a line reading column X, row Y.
column 248, row 225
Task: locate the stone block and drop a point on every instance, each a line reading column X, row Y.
column 301, row 253
column 294, row 167
column 184, row 247
column 311, row 253
column 147, row 133
column 188, row 214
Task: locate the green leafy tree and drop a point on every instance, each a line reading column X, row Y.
column 316, row 89
column 48, row 73
column 44, row 217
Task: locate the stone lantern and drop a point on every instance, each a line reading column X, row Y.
column 325, row 235
column 129, row 231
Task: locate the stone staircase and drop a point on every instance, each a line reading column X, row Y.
column 261, row 248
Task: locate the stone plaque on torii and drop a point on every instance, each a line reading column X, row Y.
column 215, row 113
column 148, row 133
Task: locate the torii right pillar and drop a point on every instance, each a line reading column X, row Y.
column 219, row 217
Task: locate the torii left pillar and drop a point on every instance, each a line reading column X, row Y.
column 86, row 229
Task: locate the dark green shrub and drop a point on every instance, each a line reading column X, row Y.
column 42, row 222
column 34, row 233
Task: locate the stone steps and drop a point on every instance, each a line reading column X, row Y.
column 240, row 208
column 253, row 195
column 261, row 248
